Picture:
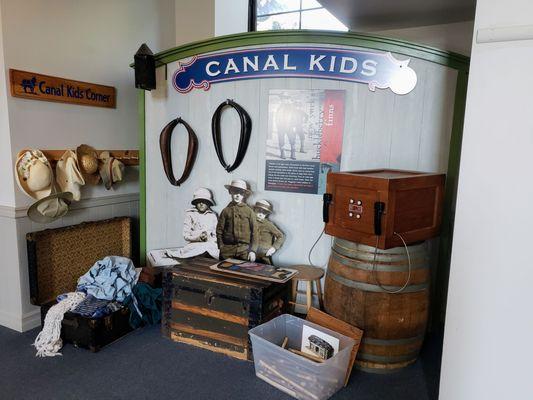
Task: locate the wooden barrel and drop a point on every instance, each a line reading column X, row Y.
column 358, row 291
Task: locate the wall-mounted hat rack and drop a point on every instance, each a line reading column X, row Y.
column 127, row 157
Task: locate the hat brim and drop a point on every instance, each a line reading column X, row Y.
column 247, row 191
column 36, row 216
column 263, row 209
column 198, row 199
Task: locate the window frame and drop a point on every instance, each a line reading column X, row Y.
column 252, row 14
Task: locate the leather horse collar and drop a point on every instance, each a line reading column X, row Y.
column 246, row 130
column 164, row 144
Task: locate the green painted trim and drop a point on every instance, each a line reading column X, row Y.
column 446, row 58
column 450, row 199
column 142, row 175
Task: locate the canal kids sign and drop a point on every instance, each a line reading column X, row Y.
column 377, row 69
column 34, row 86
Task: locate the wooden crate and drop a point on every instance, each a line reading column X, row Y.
column 213, row 310
column 411, row 205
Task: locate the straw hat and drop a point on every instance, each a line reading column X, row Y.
column 203, row 194
column 264, row 206
column 68, row 175
column 111, row 170
column 50, row 208
column 239, row 184
column 88, row 163
column 34, row 174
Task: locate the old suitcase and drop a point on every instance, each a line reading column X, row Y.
column 58, row 257
column 214, row 311
column 376, row 207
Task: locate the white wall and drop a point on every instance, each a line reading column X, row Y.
column 456, row 37
column 195, row 20
column 231, row 16
column 489, row 319
column 7, row 195
column 91, row 41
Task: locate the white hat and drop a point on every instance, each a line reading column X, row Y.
column 50, row 208
column 202, row 194
column 68, row 175
column 34, row 174
column 111, row 170
column 264, row 205
column 239, row 184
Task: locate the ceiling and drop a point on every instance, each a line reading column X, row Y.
column 368, row 15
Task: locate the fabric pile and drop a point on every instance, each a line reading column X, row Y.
column 109, row 285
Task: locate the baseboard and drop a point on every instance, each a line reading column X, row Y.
column 28, row 321
column 31, row 320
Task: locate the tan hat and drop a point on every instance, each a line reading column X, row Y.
column 202, row 194
column 239, row 184
column 111, row 170
column 88, row 163
column 68, row 175
column 50, row 208
column 34, row 174
column 263, row 205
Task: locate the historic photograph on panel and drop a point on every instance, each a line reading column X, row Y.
column 304, row 139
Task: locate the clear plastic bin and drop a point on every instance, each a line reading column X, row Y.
column 296, row 375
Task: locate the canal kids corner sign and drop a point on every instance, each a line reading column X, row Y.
column 377, row 69
column 34, row 86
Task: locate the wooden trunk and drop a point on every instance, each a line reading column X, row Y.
column 410, row 202
column 214, row 310
column 359, row 287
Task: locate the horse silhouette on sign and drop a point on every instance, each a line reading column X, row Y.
column 29, row 84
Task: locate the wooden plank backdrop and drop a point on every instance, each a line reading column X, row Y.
column 382, row 130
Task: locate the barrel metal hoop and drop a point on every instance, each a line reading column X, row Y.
column 377, row 267
column 392, row 342
column 367, row 252
column 367, row 287
column 387, row 359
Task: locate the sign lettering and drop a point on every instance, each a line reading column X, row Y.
column 376, row 69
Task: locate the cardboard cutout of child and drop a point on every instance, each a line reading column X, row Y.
column 237, row 234
column 270, row 237
column 199, row 227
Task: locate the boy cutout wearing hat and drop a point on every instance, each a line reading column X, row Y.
column 237, row 234
column 270, row 237
column 199, row 227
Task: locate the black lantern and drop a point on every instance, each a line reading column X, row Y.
column 144, row 68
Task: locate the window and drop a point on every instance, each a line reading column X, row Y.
column 292, row 14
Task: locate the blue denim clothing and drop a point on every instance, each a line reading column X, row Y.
column 109, row 279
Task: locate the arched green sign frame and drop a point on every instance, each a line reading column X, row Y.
column 413, row 50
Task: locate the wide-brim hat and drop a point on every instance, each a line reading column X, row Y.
column 68, row 175
column 263, row 205
column 239, row 184
column 202, row 194
column 88, row 163
column 50, row 208
column 34, row 174
column 111, row 170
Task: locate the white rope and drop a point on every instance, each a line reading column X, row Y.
column 48, row 341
